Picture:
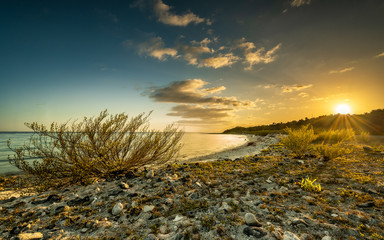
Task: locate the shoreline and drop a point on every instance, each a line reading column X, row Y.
column 254, row 145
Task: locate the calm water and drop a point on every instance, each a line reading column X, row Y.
column 194, row 145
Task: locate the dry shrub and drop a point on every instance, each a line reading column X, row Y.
column 96, row 147
column 332, row 151
column 335, row 136
column 298, row 140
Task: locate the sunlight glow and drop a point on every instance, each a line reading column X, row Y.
column 343, row 109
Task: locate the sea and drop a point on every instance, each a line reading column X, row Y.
column 194, row 145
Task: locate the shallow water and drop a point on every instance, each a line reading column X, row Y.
column 194, row 145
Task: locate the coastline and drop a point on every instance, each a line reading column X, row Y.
column 254, row 145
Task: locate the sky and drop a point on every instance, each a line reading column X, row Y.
column 206, row 65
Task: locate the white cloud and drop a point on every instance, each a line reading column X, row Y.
column 155, row 48
column 255, row 56
column 294, row 88
column 341, row 70
column 164, row 15
column 222, row 60
column 298, row 3
column 380, row 55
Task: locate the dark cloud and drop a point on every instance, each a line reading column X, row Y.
column 196, row 111
column 192, row 91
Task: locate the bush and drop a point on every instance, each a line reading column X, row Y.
column 364, row 137
column 298, row 140
column 331, row 151
column 335, row 136
column 97, row 147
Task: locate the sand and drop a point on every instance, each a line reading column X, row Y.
column 254, row 145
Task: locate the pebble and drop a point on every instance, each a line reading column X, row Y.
column 326, row 238
column 117, row 209
column 123, row 185
column 30, row 236
column 290, row 236
column 254, row 231
column 148, row 208
column 250, row 220
column 150, row 174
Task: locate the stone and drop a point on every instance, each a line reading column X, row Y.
column 367, row 148
column 148, row 208
column 326, row 238
column 290, row 236
column 366, row 205
column 84, row 230
column 178, row 218
column 123, row 185
column 226, row 207
column 151, row 236
column 150, row 174
column 117, row 209
column 250, row 220
column 163, row 229
column 30, row 236
column 79, row 201
column 254, row 231
column 298, row 221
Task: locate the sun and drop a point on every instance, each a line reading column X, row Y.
column 343, row 109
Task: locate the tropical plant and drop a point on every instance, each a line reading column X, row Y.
column 298, row 140
column 96, row 147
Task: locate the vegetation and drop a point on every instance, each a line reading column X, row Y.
column 308, row 185
column 331, row 151
column 96, row 147
column 299, row 140
column 372, row 123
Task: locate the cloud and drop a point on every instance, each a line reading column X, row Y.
column 342, row 70
column 198, row 111
column 192, row 54
column 298, row 3
column 214, row 89
column 294, row 88
column 191, row 91
column 222, row 60
column 164, row 15
column 380, row 55
column 155, row 48
column 255, row 56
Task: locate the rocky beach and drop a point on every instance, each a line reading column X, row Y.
column 252, row 192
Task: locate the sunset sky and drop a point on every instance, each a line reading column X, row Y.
column 207, row 65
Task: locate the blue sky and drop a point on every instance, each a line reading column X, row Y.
column 206, row 65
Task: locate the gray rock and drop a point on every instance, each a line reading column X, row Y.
column 290, row 236
column 151, row 237
column 30, row 236
column 250, row 220
column 117, row 209
column 255, row 231
column 366, row 205
column 148, row 208
column 150, row 174
column 326, row 238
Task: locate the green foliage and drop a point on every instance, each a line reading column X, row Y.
column 332, row 151
column 97, row 147
column 298, row 140
column 208, row 222
column 336, row 136
column 308, row 185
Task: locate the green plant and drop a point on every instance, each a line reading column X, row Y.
column 308, row 185
column 336, row 136
column 331, row 151
column 97, row 147
column 208, row 222
column 298, row 140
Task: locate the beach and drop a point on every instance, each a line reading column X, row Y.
column 258, row 195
